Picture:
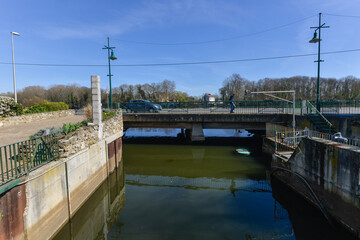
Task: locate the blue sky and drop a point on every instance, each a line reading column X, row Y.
column 74, row 32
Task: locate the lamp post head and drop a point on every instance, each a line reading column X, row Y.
column 315, row 39
column 15, row 33
column 112, row 56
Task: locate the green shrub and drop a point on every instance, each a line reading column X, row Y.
column 71, row 127
column 18, row 109
column 110, row 114
column 46, row 107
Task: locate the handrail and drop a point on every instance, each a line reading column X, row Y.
column 310, row 109
column 242, row 106
column 20, row 158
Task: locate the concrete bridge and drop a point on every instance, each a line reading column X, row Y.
column 195, row 123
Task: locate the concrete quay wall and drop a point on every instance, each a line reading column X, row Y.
column 50, row 195
column 333, row 171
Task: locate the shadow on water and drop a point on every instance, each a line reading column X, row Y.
column 307, row 220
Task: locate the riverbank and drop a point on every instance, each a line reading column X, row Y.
column 44, row 201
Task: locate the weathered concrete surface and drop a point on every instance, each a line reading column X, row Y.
column 86, row 171
column 60, row 189
column 100, row 211
column 216, row 120
column 96, row 99
column 46, row 202
column 197, row 133
column 332, row 169
column 12, row 206
column 349, row 126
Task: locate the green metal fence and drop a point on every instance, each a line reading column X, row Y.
column 255, row 106
column 243, row 106
column 340, row 106
column 19, row 158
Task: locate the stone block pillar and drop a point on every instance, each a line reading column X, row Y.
column 96, row 99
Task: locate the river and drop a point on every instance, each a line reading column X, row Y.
column 206, row 191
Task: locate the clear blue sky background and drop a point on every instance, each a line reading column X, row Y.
column 74, row 32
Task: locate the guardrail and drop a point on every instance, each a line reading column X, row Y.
column 340, row 107
column 20, row 158
column 350, row 141
column 249, row 106
column 317, row 118
column 246, row 107
column 286, row 139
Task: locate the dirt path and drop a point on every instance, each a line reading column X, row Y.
column 20, row 132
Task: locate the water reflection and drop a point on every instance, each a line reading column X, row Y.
column 196, row 192
column 100, row 212
column 173, row 132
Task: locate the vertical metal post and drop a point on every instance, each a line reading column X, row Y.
column 1, row 165
column 111, row 103
column 293, row 123
column 13, row 65
column 318, row 75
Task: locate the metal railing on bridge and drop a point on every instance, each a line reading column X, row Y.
column 340, row 107
column 245, row 107
column 334, row 107
column 19, row 158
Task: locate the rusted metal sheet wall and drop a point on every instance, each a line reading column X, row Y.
column 111, row 156
column 12, row 205
column 118, row 147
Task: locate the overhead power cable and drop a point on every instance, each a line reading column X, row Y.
column 214, row 40
column 180, row 63
column 339, row 15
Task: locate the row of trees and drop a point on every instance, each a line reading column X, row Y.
column 305, row 87
column 157, row 92
column 73, row 95
column 76, row 96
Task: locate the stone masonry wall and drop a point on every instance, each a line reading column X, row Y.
column 6, row 105
column 27, row 118
column 87, row 136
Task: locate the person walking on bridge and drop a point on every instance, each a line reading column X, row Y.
column 232, row 104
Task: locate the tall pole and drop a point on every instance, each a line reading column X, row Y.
column 13, row 65
column 318, row 75
column 111, row 103
column 318, row 40
column 293, row 123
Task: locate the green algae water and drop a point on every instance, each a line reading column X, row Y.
column 163, row 191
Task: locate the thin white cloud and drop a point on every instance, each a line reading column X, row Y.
column 150, row 14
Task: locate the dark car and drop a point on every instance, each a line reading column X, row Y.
column 140, row 105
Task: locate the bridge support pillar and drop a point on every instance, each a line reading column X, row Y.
column 197, row 133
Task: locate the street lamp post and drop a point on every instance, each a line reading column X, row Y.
column 269, row 93
column 316, row 39
column 13, row 62
column 110, row 57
